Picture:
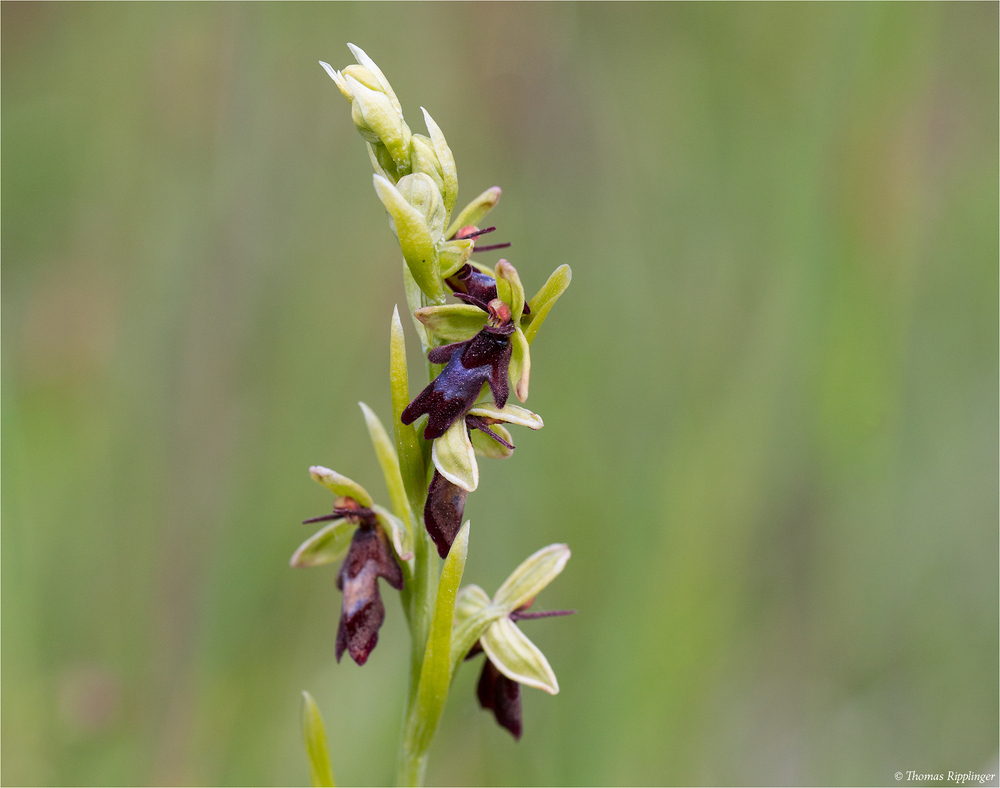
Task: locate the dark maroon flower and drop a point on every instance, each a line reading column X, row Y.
column 443, row 512
column 369, row 558
column 468, row 365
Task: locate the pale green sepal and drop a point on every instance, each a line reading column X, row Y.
column 338, row 78
column 361, row 56
column 475, row 210
column 415, row 241
column 420, row 191
column 471, row 599
column 435, row 673
column 455, row 458
column 452, row 322
column 510, row 413
column 314, row 735
column 389, row 461
column 520, row 364
column 455, row 254
column 327, row 545
column 411, row 464
column 509, row 649
column 485, row 446
column 535, row 572
column 400, row 536
column 449, row 172
column 510, row 290
column 470, row 629
column 341, row 485
column 545, row 298
column 424, row 159
column 378, row 121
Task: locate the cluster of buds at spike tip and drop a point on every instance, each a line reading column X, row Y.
column 369, row 556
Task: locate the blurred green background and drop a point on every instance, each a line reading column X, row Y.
column 770, row 394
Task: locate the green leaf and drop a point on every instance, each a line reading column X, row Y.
column 485, row 446
column 341, row 485
column 327, row 545
column 520, row 364
column 452, row 322
column 411, row 463
column 435, row 673
column 415, row 240
column 387, row 458
column 534, row 573
column 449, row 172
column 517, row 657
column 545, row 298
column 510, row 290
column 314, row 735
column 402, row 543
column 474, row 211
column 455, row 458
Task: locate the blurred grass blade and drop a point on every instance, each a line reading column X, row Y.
column 314, row 734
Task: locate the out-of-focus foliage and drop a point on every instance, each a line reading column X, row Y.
column 770, row 395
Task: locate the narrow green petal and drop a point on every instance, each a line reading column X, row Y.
column 545, row 298
column 385, row 450
column 455, row 458
column 435, row 673
column 517, row 657
column 534, row 573
column 341, row 485
column 470, row 626
column 452, row 322
column 327, row 545
column 314, row 735
column 475, row 210
column 411, row 463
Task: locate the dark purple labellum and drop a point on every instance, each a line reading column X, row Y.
column 468, row 365
column 362, row 611
column 502, row 695
column 443, row 512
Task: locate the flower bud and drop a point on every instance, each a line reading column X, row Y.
column 424, row 159
column 378, row 120
column 420, row 191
